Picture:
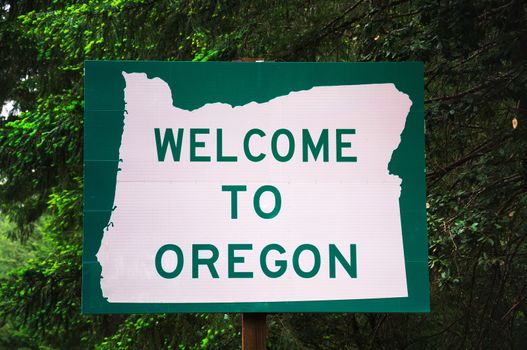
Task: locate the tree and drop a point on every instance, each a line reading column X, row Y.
column 475, row 60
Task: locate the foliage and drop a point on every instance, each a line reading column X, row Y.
column 183, row 332
column 476, row 118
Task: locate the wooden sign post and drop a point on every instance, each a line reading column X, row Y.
column 254, row 331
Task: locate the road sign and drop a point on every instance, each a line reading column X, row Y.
column 254, row 187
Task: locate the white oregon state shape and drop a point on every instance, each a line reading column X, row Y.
column 322, row 203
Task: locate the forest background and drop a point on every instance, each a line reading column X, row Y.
column 475, row 55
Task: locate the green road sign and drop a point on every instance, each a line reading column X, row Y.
column 254, row 187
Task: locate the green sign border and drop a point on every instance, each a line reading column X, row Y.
column 194, row 84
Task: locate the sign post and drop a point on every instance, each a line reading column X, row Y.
column 254, row 187
column 254, row 331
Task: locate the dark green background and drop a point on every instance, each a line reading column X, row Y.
column 195, row 84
